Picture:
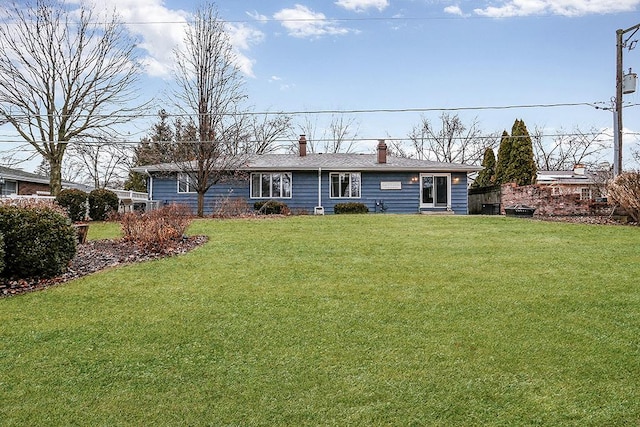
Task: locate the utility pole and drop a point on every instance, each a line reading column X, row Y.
column 617, row 125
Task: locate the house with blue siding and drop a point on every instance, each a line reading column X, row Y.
column 315, row 183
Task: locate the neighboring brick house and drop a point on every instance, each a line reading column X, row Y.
column 556, row 193
column 20, row 183
column 577, row 181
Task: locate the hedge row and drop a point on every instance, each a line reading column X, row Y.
column 350, row 208
column 99, row 203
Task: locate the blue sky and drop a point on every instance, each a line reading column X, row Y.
column 310, row 55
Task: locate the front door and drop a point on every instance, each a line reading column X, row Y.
column 435, row 191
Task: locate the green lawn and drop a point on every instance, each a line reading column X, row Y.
column 340, row 320
column 103, row 230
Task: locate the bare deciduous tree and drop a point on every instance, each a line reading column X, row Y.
column 104, row 163
column 339, row 136
column 625, row 191
column 267, row 129
column 453, row 142
column 568, row 149
column 210, row 91
column 65, row 75
column 342, row 134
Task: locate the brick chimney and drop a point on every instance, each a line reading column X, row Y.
column 382, row 151
column 303, row 146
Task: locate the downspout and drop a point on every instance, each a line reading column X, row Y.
column 150, row 196
column 319, row 210
column 319, row 187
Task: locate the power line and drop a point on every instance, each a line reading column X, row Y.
column 318, row 140
column 337, row 111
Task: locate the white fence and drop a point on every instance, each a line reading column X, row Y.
column 128, row 200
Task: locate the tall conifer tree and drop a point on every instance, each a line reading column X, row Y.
column 504, row 157
column 487, row 176
column 522, row 165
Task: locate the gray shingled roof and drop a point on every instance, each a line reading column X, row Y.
column 334, row 162
column 20, row 175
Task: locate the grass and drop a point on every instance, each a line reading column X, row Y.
column 99, row 230
column 340, row 320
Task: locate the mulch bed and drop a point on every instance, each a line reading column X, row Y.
column 97, row 255
column 602, row 220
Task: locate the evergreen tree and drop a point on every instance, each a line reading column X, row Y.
column 487, row 176
column 158, row 147
column 504, row 157
column 522, row 165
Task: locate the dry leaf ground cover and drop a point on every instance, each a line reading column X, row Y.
column 340, row 320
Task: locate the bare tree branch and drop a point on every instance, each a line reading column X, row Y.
column 568, row 149
column 210, row 90
column 453, row 142
column 267, row 129
column 64, row 77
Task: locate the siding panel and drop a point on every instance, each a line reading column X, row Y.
column 305, row 193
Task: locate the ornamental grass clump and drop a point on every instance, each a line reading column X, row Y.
column 625, row 192
column 156, row 230
column 39, row 240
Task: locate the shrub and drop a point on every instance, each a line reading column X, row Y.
column 1, row 254
column 229, row 207
column 271, row 207
column 156, row 230
column 102, row 203
column 625, row 191
column 350, row 208
column 39, row 240
column 74, row 201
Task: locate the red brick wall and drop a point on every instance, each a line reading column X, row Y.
column 29, row 188
column 548, row 204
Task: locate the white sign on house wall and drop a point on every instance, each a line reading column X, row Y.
column 391, row 185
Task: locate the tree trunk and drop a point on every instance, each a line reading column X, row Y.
column 201, row 204
column 55, row 177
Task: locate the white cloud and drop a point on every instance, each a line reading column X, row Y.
column 302, row 22
column 363, row 5
column 242, row 37
column 161, row 30
column 257, row 16
column 511, row 8
column 453, row 10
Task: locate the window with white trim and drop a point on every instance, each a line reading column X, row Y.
column 8, row 188
column 185, row 183
column 585, row 194
column 271, row 185
column 345, row 185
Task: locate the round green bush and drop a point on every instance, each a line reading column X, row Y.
column 350, row 208
column 102, row 203
column 75, row 203
column 39, row 241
